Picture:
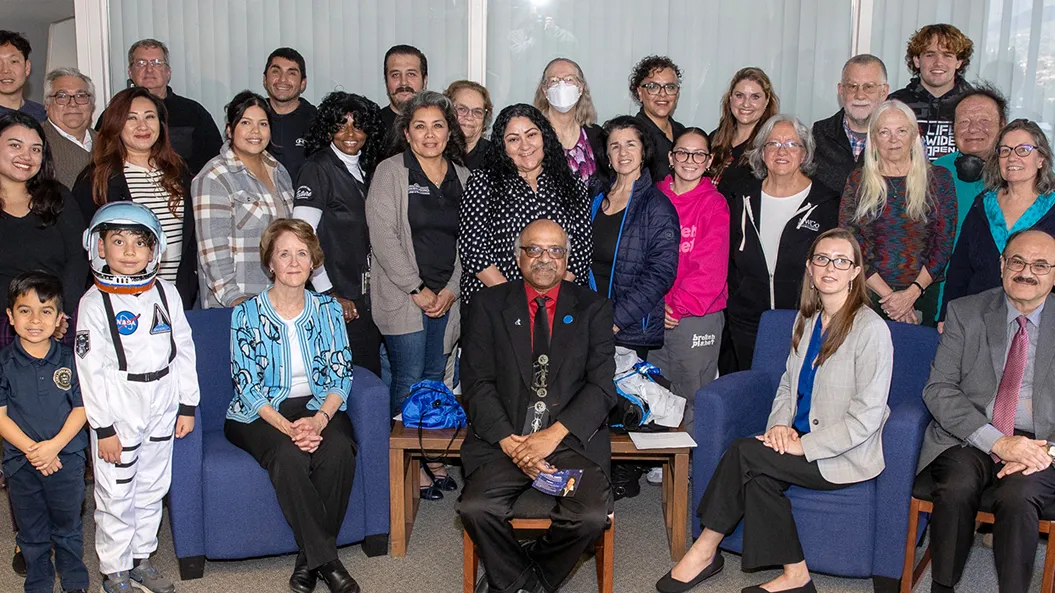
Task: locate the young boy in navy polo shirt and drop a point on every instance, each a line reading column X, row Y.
column 42, row 424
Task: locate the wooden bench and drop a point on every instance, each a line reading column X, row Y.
column 405, row 452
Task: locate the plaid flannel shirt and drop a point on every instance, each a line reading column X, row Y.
column 231, row 210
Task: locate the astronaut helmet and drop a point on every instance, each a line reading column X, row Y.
column 117, row 216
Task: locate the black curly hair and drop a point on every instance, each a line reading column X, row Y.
column 45, row 193
column 645, row 68
column 455, row 151
column 499, row 167
column 366, row 116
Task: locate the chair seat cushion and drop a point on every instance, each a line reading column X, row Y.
column 242, row 516
column 923, row 489
column 845, row 515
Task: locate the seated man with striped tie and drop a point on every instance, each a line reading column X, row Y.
column 536, row 404
column 992, row 394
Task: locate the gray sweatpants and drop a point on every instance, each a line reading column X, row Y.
column 689, row 357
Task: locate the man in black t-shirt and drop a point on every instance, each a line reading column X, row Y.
column 285, row 78
column 406, row 74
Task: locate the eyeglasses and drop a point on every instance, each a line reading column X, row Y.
column 683, row 156
column 869, row 88
column 1017, row 264
column 156, row 62
column 535, row 252
column 463, row 111
column 790, row 145
column 1022, row 150
column 553, row 81
column 653, row 88
column 840, row 263
column 63, row 98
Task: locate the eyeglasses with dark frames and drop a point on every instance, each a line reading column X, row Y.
column 63, row 98
column 683, row 156
column 653, row 88
column 1022, row 150
column 840, row 263
column 535, row 252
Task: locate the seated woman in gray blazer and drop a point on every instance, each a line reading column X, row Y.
column 824, row 431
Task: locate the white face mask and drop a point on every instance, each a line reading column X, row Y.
column 563, row 96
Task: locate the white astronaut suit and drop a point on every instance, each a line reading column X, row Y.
column 136, row 363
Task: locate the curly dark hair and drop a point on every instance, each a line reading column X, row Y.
column 455, row 151
column 366, row 116
column 499, row 167
column 645, row 68
column 45, row 193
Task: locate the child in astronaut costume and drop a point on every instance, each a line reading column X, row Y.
column 135, row 358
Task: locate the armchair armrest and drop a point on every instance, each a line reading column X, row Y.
column 368, row 409
column 731, row 407
column 902, row 440
column 186, row 496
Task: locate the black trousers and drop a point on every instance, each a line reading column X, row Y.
column 742, row 336
column 749, row 484
column 364, row 339
column 960, row 475
column 485, row 508
column 312, row 488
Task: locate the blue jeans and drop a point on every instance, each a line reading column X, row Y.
column 48, row 511
column 415, row 357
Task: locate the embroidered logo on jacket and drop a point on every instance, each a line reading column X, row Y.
column 127, row 324
column 63, row 378
column 82, row 344
column 161, row 323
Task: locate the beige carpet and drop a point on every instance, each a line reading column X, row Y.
column 434, row 560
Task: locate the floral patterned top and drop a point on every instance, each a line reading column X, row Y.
column 580, row 157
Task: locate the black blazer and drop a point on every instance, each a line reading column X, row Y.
column 117, row 190
column 496, row 371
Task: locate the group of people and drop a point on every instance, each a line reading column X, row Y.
column 336, row 230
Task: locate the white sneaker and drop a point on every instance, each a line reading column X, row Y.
column 655, row 476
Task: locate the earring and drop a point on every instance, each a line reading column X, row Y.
column 851, row 284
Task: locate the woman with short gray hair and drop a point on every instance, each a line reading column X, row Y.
column 776, row 215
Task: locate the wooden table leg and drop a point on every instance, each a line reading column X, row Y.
column 668, row 487
column 411, row 496
column 397, row 510
column 679, row 502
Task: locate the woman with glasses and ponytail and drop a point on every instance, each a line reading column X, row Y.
column 1019, row 194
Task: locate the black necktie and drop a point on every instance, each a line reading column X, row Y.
column 540, row 338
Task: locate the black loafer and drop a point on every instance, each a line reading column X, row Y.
column 302, row 580
column 668, row 584
column 431, row 492
column 18, row 564
column 337, row 578
column 807, row 588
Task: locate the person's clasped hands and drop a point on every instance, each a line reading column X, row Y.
column 782, row 439
column 306, row 433
column 529, row 452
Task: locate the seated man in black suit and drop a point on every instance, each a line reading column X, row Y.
column 536, row 405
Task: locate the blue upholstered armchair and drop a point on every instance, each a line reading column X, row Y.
column 858, row 531
column 222, row 504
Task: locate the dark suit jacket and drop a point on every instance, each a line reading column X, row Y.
column 967, row 369
column 496, row 371
column 117, row 190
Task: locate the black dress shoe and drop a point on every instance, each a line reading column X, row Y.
column 302, row 580
column 668, row 584
column 337, row 578
column 18, row 563
column 807, row 588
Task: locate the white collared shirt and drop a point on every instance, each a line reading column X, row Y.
column 86, row 144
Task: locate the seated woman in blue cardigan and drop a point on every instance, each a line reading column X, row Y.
column 292, row 371
column 1019, row 194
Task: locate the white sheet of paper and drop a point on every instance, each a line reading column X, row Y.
column 661, row 440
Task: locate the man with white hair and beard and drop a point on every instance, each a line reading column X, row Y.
column 841, row 138
column 536, row 405
column 992, row 395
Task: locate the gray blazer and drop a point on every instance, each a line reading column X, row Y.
column 967, row 368
column 848, row 406
column 394, row 267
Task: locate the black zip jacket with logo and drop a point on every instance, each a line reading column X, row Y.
column 751, row 289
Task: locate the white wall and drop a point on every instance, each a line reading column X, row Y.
column 62, row 44
column 36, row 32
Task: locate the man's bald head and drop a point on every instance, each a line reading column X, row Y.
column 541, row 238
column 1027, row 251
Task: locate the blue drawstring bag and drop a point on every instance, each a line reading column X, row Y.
column 432, row 406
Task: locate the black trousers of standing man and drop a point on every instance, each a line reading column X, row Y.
column 960, row 475
column 312, row 488
column 749, row 484
column 486, row 507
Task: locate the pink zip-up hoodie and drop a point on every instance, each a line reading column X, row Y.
column 701, row 285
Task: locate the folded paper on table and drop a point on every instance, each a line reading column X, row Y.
column 662, row 440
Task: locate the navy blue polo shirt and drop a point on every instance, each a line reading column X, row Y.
column 39, row 394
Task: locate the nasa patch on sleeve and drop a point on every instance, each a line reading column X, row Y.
column 83, row 343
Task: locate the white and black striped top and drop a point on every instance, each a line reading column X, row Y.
column 146, row 189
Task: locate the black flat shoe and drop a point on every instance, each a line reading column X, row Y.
column 337, row 578
column 431, row 492
column 807, row 588
column 669, row 584
column 302, row 580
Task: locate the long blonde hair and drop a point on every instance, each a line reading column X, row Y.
column 872, row 194
column 810, row 300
